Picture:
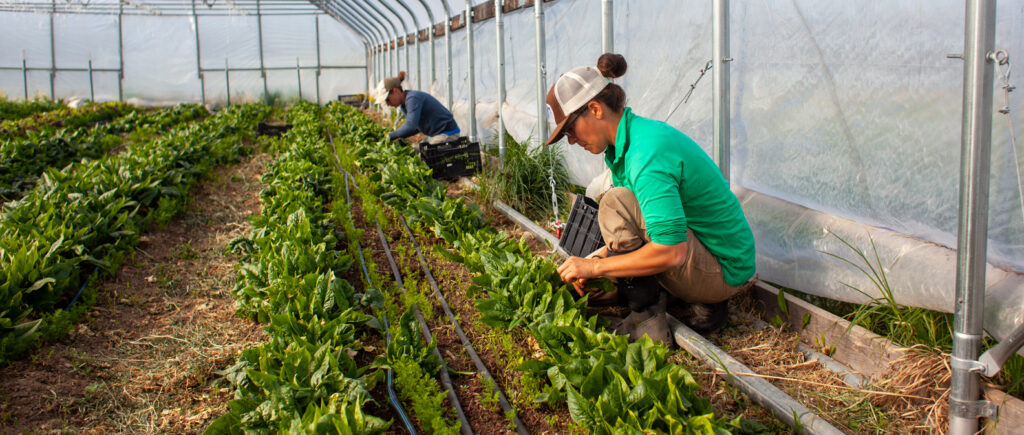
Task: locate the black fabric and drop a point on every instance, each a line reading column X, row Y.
column 639, row 292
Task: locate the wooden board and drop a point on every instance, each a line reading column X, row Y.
column 1011, row 413
column 858, row 348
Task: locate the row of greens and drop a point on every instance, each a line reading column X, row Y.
column 610, row 385
column 10, row 109
column 23, row 159
column 304, row 379
column 46, row 123
column 86, row 219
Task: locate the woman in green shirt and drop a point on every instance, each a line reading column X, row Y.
column 670, row 221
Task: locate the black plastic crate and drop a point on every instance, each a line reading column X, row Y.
column 581, row 234
column 452, row 159
column 264, row 129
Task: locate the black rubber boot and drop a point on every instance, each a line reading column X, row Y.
column 707, row 318
column 651, row 321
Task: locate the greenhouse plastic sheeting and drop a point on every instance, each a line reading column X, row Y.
column 160, row 56
column 846, row 124
column 845, row 116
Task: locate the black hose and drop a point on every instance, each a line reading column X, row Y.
column 392, row 397
column 480, row 366
column 445, row 379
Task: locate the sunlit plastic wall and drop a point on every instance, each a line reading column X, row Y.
column 160, row 64
column 845, row 122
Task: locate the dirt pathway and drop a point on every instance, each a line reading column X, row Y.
column 145, row 358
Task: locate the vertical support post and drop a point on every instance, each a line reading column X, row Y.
column 720, row 82
column 120, row 51
column 316, row 19
column 472, row 71
column 607, row 26
column 259, row 33
column 24, row 74
column 499, row 26
column 298, row 77
column 366, row 72
column 227, row 79
column 542, row 119
column 975, row 158
column 53, row 54
column 430, row 38
column 92, row 90
column 199, row 62
column 448, row 50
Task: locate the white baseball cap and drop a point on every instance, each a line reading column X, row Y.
column 571, row 92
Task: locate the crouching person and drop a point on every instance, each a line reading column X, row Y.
column 423, row 113
column 670, row 223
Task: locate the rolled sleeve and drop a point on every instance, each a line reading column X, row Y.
column 656, row 178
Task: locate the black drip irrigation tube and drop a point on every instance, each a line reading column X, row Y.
column 392, row 397
column 780, row 404
column 480, row 366
column 446, row 380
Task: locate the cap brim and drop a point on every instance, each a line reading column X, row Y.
column 560, row 129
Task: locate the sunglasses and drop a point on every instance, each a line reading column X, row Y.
column 570, row 128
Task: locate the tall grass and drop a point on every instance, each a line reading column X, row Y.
column 523, row 182
column 909, row 326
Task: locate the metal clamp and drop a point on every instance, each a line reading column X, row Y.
column 1000, row 56
column 970, row 365
column 973, row 409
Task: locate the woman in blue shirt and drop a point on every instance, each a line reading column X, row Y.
column 423, row 113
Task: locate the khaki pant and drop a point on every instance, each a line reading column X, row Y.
column 698, row 280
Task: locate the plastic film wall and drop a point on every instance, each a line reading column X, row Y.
column 845, row 124
column 160, row 56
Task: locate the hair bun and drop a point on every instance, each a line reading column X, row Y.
column 611, row 65
column 401, row 76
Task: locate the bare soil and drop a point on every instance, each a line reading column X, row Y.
column 145, row 358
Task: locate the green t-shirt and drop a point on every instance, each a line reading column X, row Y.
column 678, row 186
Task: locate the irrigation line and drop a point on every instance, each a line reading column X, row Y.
column 392, row 397
column 480, row 366
column 446, row 380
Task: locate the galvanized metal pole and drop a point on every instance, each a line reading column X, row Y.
column 542, row 119
column 366, row 34
column 404, row 37
column 607, row 27
column 448, row 50
column 199, row 62
column 472, row 71
column 975, row 158
column 430, row 37
column 416, row 41
column 120, row 51
column 316, row 19
column 720, row 83
column 92, row 91
column 499, row 26
column 53, row 54
column 259, row 34
column 393, row 57
column 227, row 79
column 298, row 77
column 24, row 74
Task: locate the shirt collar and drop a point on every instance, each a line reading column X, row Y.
column 616, row 151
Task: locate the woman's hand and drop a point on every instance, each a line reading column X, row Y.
column 577, row 271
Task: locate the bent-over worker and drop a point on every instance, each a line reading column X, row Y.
column 423, row 113
column 670, row 221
